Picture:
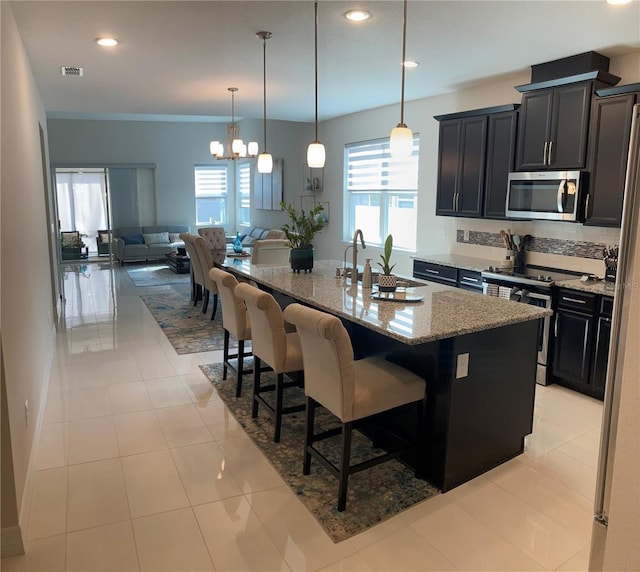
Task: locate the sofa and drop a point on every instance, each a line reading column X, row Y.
column 143, row 243
column 255, row 233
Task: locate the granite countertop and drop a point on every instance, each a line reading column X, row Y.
column 443, row 312
column 457, row 261
column 593, row 286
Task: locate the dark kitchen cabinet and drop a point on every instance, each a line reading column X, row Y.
column 553, row 127
column 449, row 275
column 435, row 272
column 461, row 157
column 501, row 151
column 475, row 154
column 581, row 343
column 608, row 147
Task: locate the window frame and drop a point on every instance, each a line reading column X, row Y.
column 385, row 195
column 224, row 196
column 240, row 195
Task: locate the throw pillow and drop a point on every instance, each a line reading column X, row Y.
column 104, row 237
column 133, row 239
column 248, row 241
column 156, row 238
column 174, row 237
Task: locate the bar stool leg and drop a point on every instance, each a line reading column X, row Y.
column 279, row 399
column 256, row 386
column 344, row 466
column 240, row 368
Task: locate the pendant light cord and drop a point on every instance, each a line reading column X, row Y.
column 404, row 49
column 264, row 90
column 316, row 63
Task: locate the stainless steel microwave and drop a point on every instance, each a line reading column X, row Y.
column 545, row 195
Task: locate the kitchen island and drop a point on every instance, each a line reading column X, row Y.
column 477, row 354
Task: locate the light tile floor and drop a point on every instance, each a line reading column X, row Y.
column 142, row 467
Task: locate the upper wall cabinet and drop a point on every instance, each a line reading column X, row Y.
column 464, row 165
column 501, row 151
column 553, row 128
column 608, row 148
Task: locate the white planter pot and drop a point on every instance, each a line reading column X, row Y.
column 387, row 283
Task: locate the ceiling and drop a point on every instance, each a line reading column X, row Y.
column 176, row 59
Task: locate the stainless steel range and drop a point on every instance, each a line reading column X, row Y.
column 532, row 286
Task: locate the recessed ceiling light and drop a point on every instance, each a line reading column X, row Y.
column 107, row 42
column 618, row 2
column 357, row 15
column 411, row 64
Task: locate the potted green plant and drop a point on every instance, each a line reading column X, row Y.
column 300, row 230
column 387, row 282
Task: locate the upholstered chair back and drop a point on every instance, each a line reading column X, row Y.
column 268, row 334
column 272, row 251
column 327, row 353
column 275, row 233
column 206, row 263
column 235, row 318
column 196, row 267
column 214, row 237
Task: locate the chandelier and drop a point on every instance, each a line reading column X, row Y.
column 236, row 148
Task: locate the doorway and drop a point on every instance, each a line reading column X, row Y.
column 83, row 213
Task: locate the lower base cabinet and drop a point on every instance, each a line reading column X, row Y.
column 581, row 343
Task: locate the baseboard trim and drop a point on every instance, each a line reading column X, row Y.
column 11, row 541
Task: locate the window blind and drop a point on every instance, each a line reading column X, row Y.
column 211, row 181
column 370, row 167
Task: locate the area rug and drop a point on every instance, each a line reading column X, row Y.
column 374, row 495
column 186, row 327
column 156, row 276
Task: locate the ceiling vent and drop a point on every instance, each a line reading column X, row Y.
column 72, row 70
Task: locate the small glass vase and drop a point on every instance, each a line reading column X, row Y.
column 237, row 244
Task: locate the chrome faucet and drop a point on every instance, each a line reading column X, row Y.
column 353, row 271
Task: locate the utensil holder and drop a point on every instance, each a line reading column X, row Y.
column 518, row 261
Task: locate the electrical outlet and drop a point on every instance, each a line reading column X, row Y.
column 465, row 235
column 26, row 413
column 442, row 232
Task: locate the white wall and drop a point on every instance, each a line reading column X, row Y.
column 26, row 330
column 175, row 148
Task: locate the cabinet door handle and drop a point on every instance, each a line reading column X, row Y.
column 468, row 279
column 549, row 153
column 453, row 201
column 544, row 153
column 430, row 271
column 606, row 319
column 457, row 200
column 574, row 300
column 555, row 327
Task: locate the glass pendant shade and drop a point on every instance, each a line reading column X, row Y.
column 316, row 155
column 236, row 146
column 265, row 163
column 252, row 148
column 401, row 141
column 213, row 148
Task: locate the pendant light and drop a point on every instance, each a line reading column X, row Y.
column 401, row 140
column 265, row 160
column 316, row 152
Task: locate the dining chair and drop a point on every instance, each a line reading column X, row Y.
column 214, row 236
column 197, row 275
column 274, row 346
column 206, row 264
column 271, row 251
column 235, row 322
column 352, row 390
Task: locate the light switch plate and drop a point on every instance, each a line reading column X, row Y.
column 462, row 366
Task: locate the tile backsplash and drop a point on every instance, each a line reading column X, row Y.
column 555, row 245
column 558, row 246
